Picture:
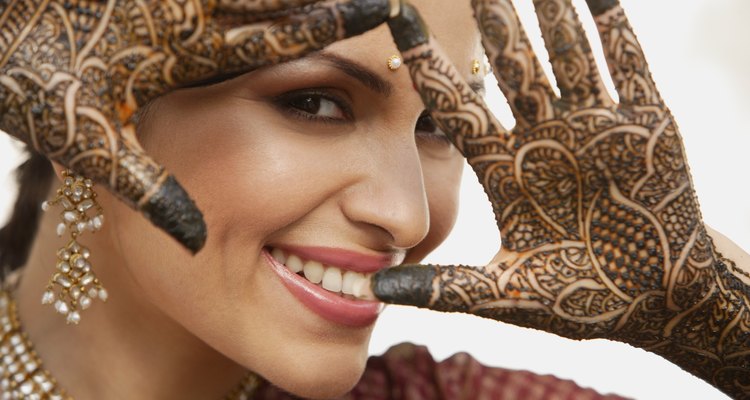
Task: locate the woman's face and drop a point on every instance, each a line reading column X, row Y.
column 330, row 158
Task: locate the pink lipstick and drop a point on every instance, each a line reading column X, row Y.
column 330, row 306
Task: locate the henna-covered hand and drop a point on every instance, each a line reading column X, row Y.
column 602, row 233
column 73, row 74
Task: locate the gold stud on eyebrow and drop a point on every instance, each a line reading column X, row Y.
column 394, row 62
column 475, row 67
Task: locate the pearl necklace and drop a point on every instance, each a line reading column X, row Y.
column 22, row 376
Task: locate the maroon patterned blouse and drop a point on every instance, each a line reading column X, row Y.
column 408, row 372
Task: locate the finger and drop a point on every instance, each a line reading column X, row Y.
column 196, row 58
column 249, row 47
column 80, row 137
column 625, row 58
column 144, row 185
column 535, row 291
column 440, row 288
column 260, row 7
column 240, row 11
column 149, row 188
column 458, row 110
column 299, row 34
column 464, row 289
column 519, row 74
column 570, row 54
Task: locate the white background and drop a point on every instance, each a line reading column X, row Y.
column 699, row 56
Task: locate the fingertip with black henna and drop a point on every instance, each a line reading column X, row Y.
column 599, row 7
column 409, row 285
column 171, row 209
column 408, row 28
column 361, row 16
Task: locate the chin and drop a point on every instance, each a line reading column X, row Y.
column 325, row 378
column 326, row 386
column 317, row 371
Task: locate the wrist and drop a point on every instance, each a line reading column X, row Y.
column 708, row 338
column 737, row 259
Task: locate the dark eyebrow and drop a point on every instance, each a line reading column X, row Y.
column 371, row 79
column 358, row 72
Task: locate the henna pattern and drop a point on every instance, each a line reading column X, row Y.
column 519, row 74
column 602, row 232
column 570, row 54
column 261, row 9
column 73, row 73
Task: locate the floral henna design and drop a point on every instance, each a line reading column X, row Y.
column 261, row 7
column 602, row 232
column 74, row 73
column 520, row 76
column 570, row 54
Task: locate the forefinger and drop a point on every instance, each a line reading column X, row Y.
column 261, row 6
column 304, row 31
column 456, row 107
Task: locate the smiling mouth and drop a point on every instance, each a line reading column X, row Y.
column 335, row 279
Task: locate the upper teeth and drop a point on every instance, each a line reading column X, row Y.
column 333, row 279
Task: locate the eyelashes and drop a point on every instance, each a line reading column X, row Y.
column 316, row 105
column 324, row 106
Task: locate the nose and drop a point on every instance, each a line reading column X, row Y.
column 389, row 197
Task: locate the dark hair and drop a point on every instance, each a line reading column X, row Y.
column 34, row 178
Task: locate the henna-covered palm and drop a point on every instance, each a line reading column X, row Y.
column 602, row 234
column 73, row 74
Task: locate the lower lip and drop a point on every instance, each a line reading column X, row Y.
column 353, row 313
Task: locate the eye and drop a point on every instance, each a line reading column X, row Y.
column 428, row 130
column 315, row 105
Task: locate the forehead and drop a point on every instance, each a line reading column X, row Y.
column 450, row 21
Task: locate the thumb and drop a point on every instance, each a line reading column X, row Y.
column 583, row 309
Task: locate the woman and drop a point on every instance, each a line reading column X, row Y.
column 294, row 165
column 355, row 175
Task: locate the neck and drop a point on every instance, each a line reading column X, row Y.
column 124, row 348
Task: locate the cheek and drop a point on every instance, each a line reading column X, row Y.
column 232, row 166
column 235, row 170
column 442, row 179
